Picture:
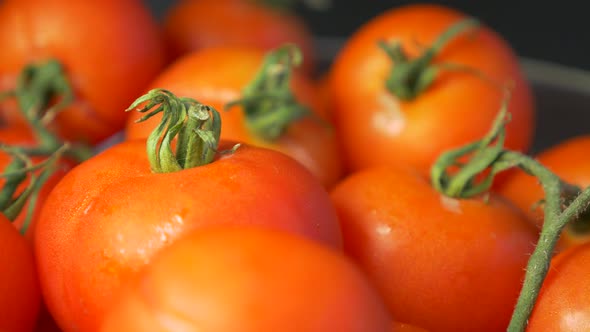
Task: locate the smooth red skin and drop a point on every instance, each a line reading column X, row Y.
column 123, row 213
column 216, row 76
column 20, row 300
column 570, row 161
column 440, row 263
column 563, row 304
column 192, row 25
column 250, row 280
column 402, row 327
column 22, row 136
column 111, row 50
column 458, row 108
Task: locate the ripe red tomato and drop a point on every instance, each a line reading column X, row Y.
column 377, row 127
column 563, row 304
column 571, row 162
column 249, row 280
column 440, row 263
column 217, row 76
column 19, row 303
column 197, row 24
column 402, row 327
column 123, row 213
column 23, row 137
column 110, row 50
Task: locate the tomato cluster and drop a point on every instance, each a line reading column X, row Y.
column 248, row 191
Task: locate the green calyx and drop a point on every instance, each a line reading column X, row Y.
column 564, row 204
column 196, row 128
column 268, row 102
column 410, row 77
column 42, row 91
column 17, row 171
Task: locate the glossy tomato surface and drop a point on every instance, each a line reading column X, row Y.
column 441, row 263
column 110, row 50
column 377, row 127
column 217, row 76
column 249, row 280
column 19, row 286
column 563, row 304
column 110, row 214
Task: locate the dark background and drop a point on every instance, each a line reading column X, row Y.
column 555, row 31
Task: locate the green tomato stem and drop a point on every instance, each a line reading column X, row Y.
column 11, row 204
column 410, row 77
column 267, row 101
column 196, row 128
column 37, row 87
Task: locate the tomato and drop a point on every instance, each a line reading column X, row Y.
column 22, row 136
column 563, row 304
column 378, row 127
column 109, row 49
column 19, row 303
column 401, row 327
column 197, row 24
column 249, row 279
column 441, row 263
column 217, row 76
column 123, row 213
column 570, row 161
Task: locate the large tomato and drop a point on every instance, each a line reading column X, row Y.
column 20, row 300
column 441, row 263
column 109, row 50
column 563, row 304
column 571, row 162
column 197, row 24
column 217, row 76
column 249, row 280
column 390, row 112
column 110, row 214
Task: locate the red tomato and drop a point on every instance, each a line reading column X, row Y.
column 19, row 303
column 110, row 50
column 571, row 162
column 377, row 127
column 249, row 280
column 441, row 263
column 217, row 76
column 563, row 304
column 123, row 213
column 22, row 136
column 197, row 24
column 401, row 327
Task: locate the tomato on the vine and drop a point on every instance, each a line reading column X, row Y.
column 99, row 53
column 249, row 280
column 441, row 263
column 125, row 204
column 21, row 136
column 420, row 79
